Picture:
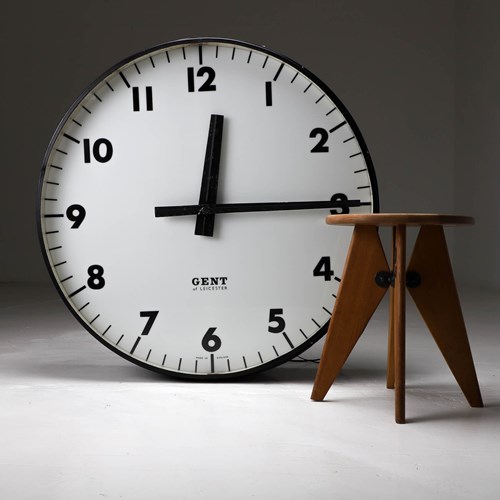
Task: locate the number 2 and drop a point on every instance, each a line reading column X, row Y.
column 321, row 145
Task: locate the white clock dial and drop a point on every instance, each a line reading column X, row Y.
column 182, row 203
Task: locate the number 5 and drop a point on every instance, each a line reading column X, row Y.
column 275, row 316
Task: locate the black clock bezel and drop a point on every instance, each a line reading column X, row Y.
column 184, row 42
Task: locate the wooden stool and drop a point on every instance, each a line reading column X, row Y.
column 430, row 281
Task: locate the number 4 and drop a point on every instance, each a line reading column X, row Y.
column 324, row 268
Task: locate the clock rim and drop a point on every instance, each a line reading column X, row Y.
column 62, row 122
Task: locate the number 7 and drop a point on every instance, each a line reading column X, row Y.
column 151, row 315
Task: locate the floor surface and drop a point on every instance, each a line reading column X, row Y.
column 78, row 422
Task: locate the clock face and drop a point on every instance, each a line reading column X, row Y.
column 182, row 202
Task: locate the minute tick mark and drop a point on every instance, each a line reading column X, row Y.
column 341, row 124
column 124, row 79
column 136, row 343
column 77, row 291
column 278, row 72
column 288, row 340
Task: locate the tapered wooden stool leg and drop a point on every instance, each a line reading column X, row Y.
column 438, row 302
column 399, row 312
column 357, row 300
column 390, row 343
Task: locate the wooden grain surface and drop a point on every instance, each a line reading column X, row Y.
column 399, row 219
column 358, row 298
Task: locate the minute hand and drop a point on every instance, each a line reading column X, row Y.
column 227, row 208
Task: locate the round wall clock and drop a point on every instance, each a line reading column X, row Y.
column 182, row 201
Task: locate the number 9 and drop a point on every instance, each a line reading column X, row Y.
column 76, row 214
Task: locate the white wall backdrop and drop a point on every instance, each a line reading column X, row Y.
column 420, row 78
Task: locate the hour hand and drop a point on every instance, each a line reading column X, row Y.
column 210, row 178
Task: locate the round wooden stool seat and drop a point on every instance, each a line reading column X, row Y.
column 398, row 220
